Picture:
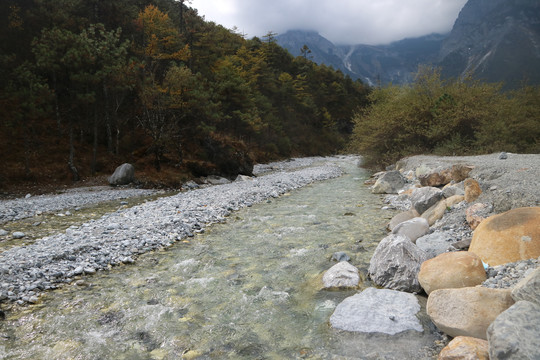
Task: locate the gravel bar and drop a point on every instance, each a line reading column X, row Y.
column 21, row 208
column 117, row 238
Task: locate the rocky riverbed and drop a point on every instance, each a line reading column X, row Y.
column 488, row 206
column 119, row 237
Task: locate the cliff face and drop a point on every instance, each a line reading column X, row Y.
column 495, row 40
column 393, row 63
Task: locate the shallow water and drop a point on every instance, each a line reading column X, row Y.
column 247, row 289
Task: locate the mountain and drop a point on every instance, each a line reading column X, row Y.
column 494, row 40
column 393, row 63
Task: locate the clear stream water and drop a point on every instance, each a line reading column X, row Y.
column 246, row 289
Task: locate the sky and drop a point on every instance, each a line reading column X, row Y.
column 347, row 22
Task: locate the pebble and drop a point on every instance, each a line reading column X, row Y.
column 21, row 208
column 96, row 246
column 508, row 275
column 18, row 235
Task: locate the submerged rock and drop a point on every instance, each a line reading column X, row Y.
column 378, row 311
column 389, row 183
column 341, row 275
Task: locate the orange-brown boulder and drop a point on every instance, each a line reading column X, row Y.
column 508, row 237
column 467, row 311
column 472, row 190
column 465, row 348
column 451, row 270
column 474, row 214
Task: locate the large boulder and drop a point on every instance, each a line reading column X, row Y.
column 465, row 348
column 528, row 288
column 395, row 264
column 467, row 311
column 341, row 275
column 413, row 228
column 389, row 183
column 425, row 197
column 514, row 334
column 508, row 237
column 123, row 175
column 378, row 311
column 451, row 270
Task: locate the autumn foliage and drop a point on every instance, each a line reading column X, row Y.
column 86, row 86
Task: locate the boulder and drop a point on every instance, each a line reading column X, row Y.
column 340, row 256
column 452, row 190
column 216, row 180
column 472, row 190
column 528, row 288
column 341, row 275
column 435, row 212
column 514, row 334
column 508, row 237
column 378, row 311
column 436, row 243
column 401, row 217
column 18, row 235
column 451, row 270
column 460, row 172
column 412, row 229
column 436, row 178
column 395, row 264
column 465, row 348
column 389, row 183
column 467, row 311
column 123, row 175
column 425, row 197
column 453, row 200
column 476, row 213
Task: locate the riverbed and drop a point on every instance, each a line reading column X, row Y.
column 249, row 288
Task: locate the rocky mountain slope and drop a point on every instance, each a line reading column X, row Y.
column 494, row 40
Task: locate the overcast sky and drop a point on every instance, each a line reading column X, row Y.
column 340, row 21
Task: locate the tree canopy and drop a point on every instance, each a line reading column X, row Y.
column 95, row 84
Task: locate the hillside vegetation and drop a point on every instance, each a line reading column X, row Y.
column 446, row 117
column 88, row 85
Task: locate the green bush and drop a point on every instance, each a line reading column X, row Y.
column 445, row 117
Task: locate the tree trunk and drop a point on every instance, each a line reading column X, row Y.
column 108, row 121
column 95, row 144
column 71, row 164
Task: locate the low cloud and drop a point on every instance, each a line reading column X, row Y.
column 341, row 21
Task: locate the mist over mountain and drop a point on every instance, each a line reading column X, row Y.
column 494, row 40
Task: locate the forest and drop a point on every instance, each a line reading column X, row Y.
column 87, row 85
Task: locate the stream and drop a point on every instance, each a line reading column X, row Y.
column 246, row 289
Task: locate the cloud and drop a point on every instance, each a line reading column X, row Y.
column 341, row 21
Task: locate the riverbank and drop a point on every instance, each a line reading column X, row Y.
column 468, row 236
column 118, row 238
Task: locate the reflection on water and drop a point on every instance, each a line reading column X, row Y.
column 247, row 289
